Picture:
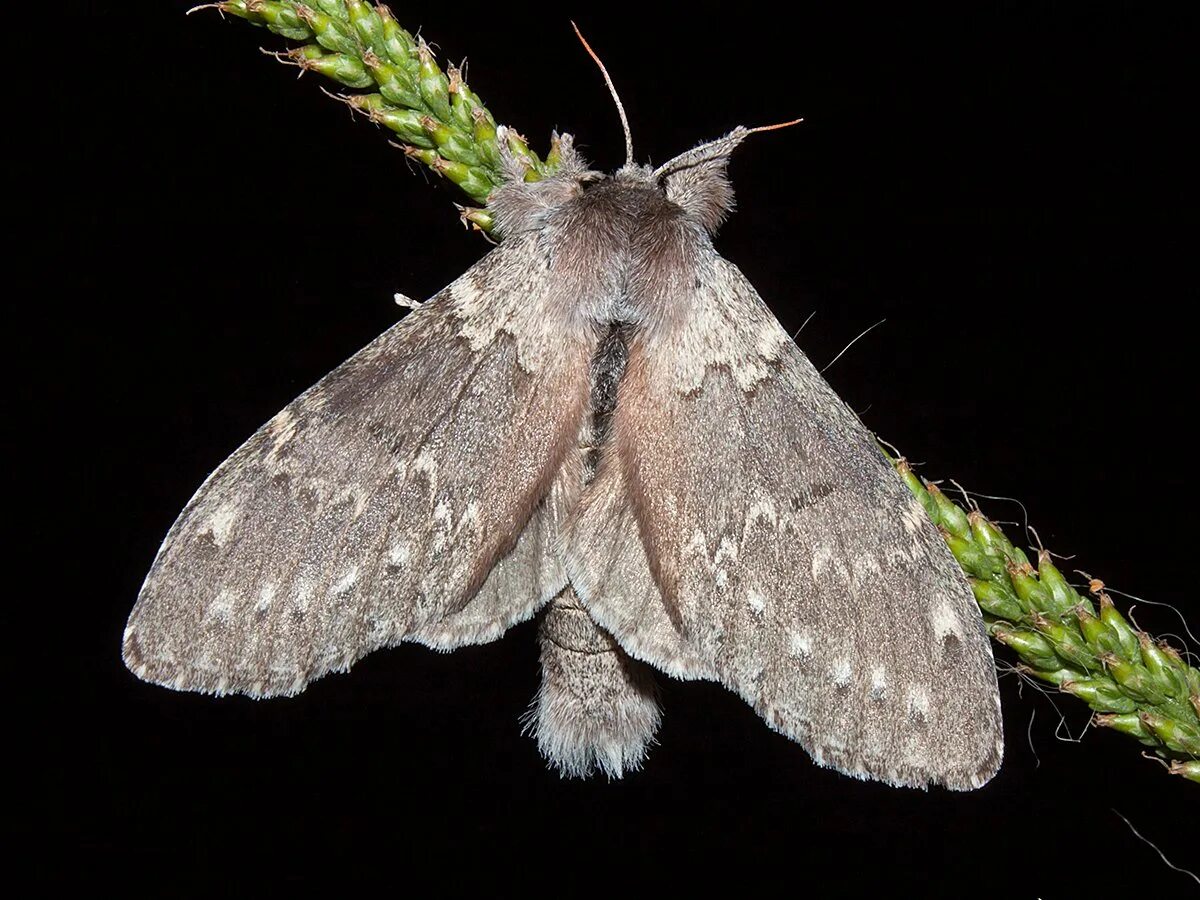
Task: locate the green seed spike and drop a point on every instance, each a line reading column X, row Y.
column 519, row 147
column 950, row 516
column 1189, row 769
column 475, row 103
column 1161, row 668
column 338, row 67
column 280, row 18
column 398, row 44
column 432, row 83
column 1126, row 723
column 1176, row 735
column 990, row 537
column 1032, row 594
column 554, row 157
column 1030, row 646
column 1064, row 596
column 394, row 84
column 996, row 598
column 429, row 157
column 1130, row 646
column 300, row 56
column 473, row 181
column 460, row 106
column 1193, row 675
column 360, row 45
column 329, row 32
column 474, row 218
column 917, row 488
column 334, row 8
column 1057, row 678
column 404, row 122
column 451, row 143
column 1098, row 635
column 969, row 555
column 367, row 25
column 1101, row 695
column 484, row 134
column 1068, row 645
column 1134, row 679
column 1181, row 666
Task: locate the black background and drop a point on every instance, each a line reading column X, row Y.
column 1005, row 186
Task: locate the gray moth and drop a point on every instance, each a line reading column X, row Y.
column 601, row 422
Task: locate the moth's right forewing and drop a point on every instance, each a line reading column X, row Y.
column 744, row 527
column 414, row 493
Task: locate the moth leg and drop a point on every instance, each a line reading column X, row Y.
column 596, row 708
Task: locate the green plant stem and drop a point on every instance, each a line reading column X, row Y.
column 392, row 78
column 1134, row 684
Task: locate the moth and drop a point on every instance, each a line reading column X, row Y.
column 602, row 423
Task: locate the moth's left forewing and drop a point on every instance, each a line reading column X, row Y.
column 414, row 493
column 745, row 527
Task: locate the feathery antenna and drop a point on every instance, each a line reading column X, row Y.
column 722, row 146
column 612, row 90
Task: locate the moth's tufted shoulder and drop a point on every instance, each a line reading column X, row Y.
column 519, row 205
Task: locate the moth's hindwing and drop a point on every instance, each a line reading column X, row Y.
column 744, row 527
column 414, row 493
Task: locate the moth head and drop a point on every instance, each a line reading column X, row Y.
column 696, row 181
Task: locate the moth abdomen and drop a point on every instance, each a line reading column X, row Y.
column 596, row 709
